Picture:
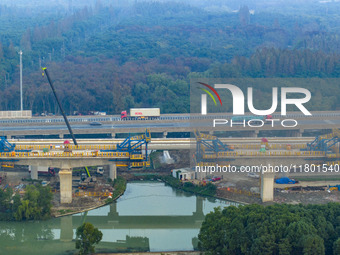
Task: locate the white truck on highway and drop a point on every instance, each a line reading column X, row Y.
column 141, row 114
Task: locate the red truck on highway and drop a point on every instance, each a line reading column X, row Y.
column 141, row 114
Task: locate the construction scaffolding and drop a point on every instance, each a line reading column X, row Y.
column 209, row 148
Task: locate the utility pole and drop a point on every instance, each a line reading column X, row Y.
column 21, row 104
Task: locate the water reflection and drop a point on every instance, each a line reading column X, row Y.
column 150, row 216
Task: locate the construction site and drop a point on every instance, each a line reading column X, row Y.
column 312, row 176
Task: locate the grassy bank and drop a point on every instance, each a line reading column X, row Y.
column 207, row 190
column 119, row 186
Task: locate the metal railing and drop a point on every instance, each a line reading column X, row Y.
column 76, row 154
column 267, row 153
column 72, row 147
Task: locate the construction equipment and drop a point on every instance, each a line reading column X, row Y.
column 334, row 187
column 329, row 145
column 60, row 107
column 5, row 146
column 208, row 146
column 134, row 145
column 9, row 165
column 87, row 181
column 324, row 142
column 88, row 172
column 100, row 171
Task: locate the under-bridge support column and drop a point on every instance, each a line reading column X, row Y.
column 113, row 171
column 296, row 133
column 34, row 172
column 250, row 133
column 267, row 184
column 165, row 134
column 254, row 133
column 65, row 176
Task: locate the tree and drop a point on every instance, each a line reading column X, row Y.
column 277, row 229
column 336, row 247
column 87, row 235
column 313, row 245
column 35, row 205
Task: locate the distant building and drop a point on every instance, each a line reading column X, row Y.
column 183, row 173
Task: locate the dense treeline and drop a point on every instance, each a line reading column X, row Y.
column 34, row 205
column 112, row 57
column 84, row 86
column 272, row 62
column 276, row 229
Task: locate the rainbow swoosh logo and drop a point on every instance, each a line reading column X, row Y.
column 209, row 93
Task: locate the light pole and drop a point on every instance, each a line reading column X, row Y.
column 21, row 104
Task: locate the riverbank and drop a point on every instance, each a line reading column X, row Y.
column 239, row 188
column 150, row 216
column 155, row 253
column 205, row 191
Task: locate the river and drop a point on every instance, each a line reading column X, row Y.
column 150, row 216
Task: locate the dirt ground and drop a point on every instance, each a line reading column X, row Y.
column 246, row 189
column 310, row 197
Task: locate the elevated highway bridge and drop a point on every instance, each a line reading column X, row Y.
column 111, row 126
column 244, row 153
column 103, row 152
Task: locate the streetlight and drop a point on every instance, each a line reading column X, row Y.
column 21, row 105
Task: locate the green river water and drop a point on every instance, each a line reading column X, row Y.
column 150, row 216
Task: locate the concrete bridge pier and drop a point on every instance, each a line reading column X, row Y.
column 254, row 133
column 113, row 171
column 34, row 172
column 165, row 134
column 267, row 185
column 296, row 133
column 65, row 176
